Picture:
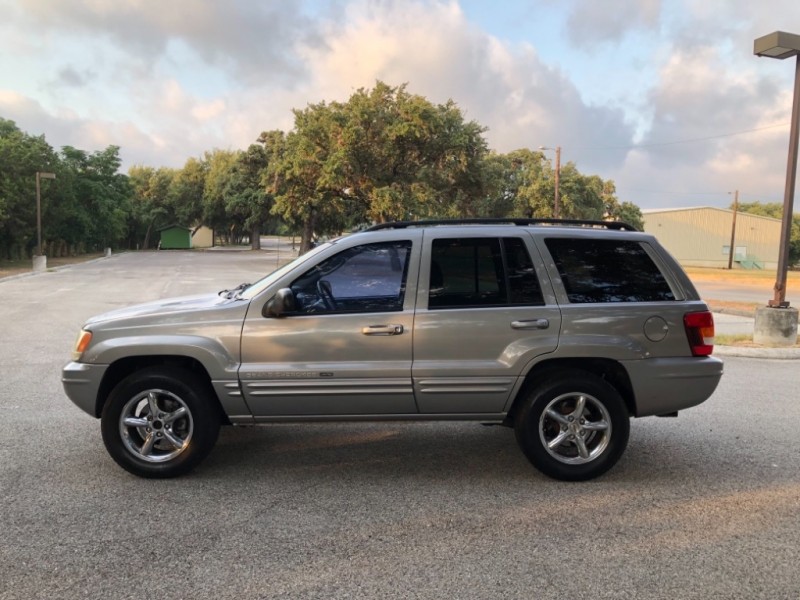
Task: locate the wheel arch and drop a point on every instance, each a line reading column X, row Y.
column 122, row 368
column 607, row 369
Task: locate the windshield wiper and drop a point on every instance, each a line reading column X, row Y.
column 234, row 292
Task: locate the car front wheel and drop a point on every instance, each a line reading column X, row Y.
column 158, row 422
column 573, row 427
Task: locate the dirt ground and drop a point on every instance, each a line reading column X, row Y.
column 739, row 276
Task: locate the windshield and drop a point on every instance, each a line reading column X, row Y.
column 260, row 285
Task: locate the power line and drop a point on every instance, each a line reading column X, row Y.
column 686, row 141
column 686, row 193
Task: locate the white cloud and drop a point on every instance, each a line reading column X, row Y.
column 590, row 23
column 171, row 80
column 441, row 55
column 207, row 111
column 253, row 40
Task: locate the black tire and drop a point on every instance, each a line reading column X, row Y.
column 574, row 426
column 160, row 422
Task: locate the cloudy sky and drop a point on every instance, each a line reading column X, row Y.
column 664, row 97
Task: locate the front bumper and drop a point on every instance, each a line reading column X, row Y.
column 81, row 383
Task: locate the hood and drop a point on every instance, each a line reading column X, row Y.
column 186, row 305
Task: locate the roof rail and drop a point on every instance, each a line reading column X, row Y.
column 615, row 225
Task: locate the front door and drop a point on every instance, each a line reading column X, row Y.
column 346, row 349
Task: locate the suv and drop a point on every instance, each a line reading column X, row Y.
column 562, row 330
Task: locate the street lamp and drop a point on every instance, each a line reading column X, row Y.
column 780, row 326
column 782, row 45
column 39, row 176
column 557, row 149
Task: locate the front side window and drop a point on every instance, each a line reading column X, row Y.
column 367, row 278
column 481, row 272
column 596, row 270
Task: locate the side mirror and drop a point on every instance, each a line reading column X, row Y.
column 281, row 303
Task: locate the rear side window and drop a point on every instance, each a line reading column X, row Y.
column 481, row 272
column 607, row 271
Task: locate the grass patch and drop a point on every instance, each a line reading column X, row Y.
column 743, row 276
column 745, row 309
column 738, row 339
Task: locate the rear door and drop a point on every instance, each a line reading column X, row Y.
column 485, row 310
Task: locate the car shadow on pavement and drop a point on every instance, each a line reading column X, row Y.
column 375, row 450
column 457, row 451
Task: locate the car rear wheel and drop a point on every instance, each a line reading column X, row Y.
column 159, row 422
column 573, row 427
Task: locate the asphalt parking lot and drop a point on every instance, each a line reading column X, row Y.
column 703, row 506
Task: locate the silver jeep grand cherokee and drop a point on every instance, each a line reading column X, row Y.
column 562, row 330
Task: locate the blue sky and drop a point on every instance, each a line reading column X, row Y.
column 662, row 96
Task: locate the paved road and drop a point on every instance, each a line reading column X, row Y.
column 703, row 506
column 741, row 292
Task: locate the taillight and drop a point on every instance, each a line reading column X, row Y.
column 700, row 332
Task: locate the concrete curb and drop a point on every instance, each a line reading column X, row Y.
column 53, row 269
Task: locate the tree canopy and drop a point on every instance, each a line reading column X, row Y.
column 383, row 154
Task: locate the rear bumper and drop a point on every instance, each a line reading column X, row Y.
column 81, row 383
column 665, row 385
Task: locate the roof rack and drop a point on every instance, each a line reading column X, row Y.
column 615, row 225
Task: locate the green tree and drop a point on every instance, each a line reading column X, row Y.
column 518, row 185
column 186, row 193
column 306, row 179
column 21, row 156
column 522, row 184
column 775, row 210
column 627, row 212
column 384, row 154
column 402, row 156
column 152, row 206
column 247, row 199
column 216, row 195
column 95, row 200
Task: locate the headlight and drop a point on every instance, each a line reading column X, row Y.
column 81, row 344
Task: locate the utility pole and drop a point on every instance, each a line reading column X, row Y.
column 557, row 208
column 39, row 176
column 557, row 205
column 733, row 228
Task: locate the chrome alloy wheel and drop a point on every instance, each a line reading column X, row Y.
column 575, row 428
column 156, row 426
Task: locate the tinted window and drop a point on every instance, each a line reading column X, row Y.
column 522, row 280
column 368, row 278
column 607, row 271
column 476, row 272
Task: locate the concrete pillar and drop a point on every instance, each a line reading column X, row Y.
column 108, row 252
column 39, row 263
column 775, row 326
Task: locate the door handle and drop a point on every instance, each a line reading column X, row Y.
column 382, row 330
column 531, row 324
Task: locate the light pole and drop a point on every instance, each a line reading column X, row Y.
column 40, row 175
column 557, row 149
column 782, row 45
